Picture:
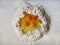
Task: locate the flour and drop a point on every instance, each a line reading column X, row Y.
column 37, row 33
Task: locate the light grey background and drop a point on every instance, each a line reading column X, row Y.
column 9, row 7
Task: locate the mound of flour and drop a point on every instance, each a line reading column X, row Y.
column 36, row 10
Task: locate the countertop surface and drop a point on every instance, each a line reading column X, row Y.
column 7, row 11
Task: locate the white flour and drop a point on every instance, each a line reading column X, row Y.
column 36, row 34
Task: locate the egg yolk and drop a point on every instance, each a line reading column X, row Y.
column 34, row 17
column 25, row 23
column 33, row 24
column 28, row 17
